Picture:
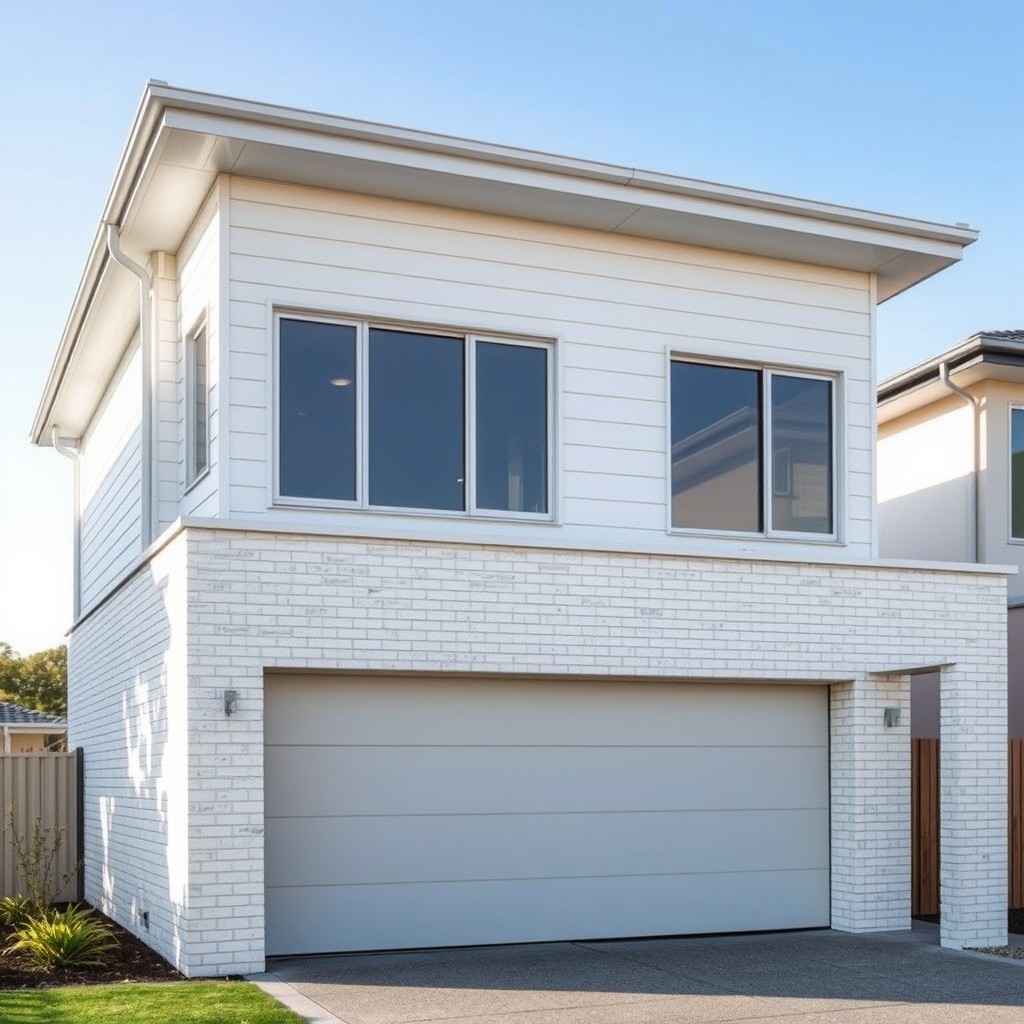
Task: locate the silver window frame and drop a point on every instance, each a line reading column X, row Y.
column 192, row 473
column 767, row 371
column 1011, row 408
column 469, row 339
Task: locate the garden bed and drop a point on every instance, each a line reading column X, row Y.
column 131, row 960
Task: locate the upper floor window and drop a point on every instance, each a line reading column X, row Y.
column 753, row 450
column 393, row 418
column 1017, row 473
column 197, row 422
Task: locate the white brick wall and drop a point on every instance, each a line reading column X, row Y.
column 259, row 600
column 870, row 787
column 972, row 788
column 127, row 709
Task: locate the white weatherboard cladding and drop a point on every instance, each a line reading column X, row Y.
column 111, row 482
column 421, row 812
column 199, row 303
column 615, row 307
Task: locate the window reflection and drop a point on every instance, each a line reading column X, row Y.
column 511, row 427
column 801, row 454
column 316, row 410
column 416, row 421
column 716, row 447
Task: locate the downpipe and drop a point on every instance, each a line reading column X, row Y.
column 973, row 506
column 146, row 333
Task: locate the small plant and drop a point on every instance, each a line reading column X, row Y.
column 15, row 911
column 65, row 938
column 36, row 858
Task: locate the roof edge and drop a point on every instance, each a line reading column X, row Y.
column 981, row 343
column 158, row 97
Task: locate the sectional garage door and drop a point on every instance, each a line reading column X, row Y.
column 409, row 812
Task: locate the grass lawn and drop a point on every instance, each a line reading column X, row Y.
column 196, row 1002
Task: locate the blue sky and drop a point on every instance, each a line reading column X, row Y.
column 904, row 107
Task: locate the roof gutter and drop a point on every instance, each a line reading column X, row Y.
column 133, row 160
column 924, row 373
column 159, row 100
column 973, row 510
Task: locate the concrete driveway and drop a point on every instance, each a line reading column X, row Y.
column 793, row 978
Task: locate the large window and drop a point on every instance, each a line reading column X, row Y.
column 197, row 429
column 1017, row 473
column 752, row 450
column 383, row 417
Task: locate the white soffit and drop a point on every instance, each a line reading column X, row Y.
column 195, row 147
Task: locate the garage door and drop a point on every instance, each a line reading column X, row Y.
column 411, row 812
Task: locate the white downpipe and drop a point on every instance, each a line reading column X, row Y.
column 146, row 333
column 64, row 447
column 973, row 503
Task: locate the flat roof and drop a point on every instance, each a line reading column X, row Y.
column 181, row 140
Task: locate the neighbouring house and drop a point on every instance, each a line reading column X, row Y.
column 25, row 731
column 951, row 481
column 477, row 546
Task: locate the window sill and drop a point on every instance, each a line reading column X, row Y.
column 768, row 538
column 195, row 483
column 297, row 505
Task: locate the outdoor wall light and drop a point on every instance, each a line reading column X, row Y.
column 230, row 702
column 892, row 718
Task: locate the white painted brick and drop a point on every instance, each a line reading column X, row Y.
column 433, row 607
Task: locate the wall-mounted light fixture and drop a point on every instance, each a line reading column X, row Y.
column 891, row 718
column 230, row 702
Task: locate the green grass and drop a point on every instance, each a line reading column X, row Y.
column 196, row 1002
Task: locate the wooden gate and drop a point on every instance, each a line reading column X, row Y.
column 924, row 818
column 924, row 825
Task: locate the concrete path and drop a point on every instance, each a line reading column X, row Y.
column 795, row 978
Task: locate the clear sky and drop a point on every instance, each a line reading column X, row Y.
column 904, row 106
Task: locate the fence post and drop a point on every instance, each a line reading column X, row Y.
column 80, row 821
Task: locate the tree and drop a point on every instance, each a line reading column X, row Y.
column 38, row 681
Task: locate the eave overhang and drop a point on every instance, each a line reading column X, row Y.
column 996, row 355
column 182, row 140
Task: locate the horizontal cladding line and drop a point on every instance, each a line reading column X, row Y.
column 582, row 275
column 660, row 452
column 812, row 808
column 546, row 746
column 811, row 870
column 617, row 303
column 320, row 211
column 604, row 396
column 660, row 477
column 557, row 320
column 758, row 349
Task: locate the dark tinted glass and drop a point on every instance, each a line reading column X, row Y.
column 511, row 427
column 200, row 411
column 1017, row 472
column 317, row 410
column 417, row 420
column 801, row 454
column 716, row 447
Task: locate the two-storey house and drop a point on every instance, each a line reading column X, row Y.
column 951, row 480
column 475, row 545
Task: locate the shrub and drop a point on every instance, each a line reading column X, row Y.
column 15, row 911
column 36, row 858
column 65, row 938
